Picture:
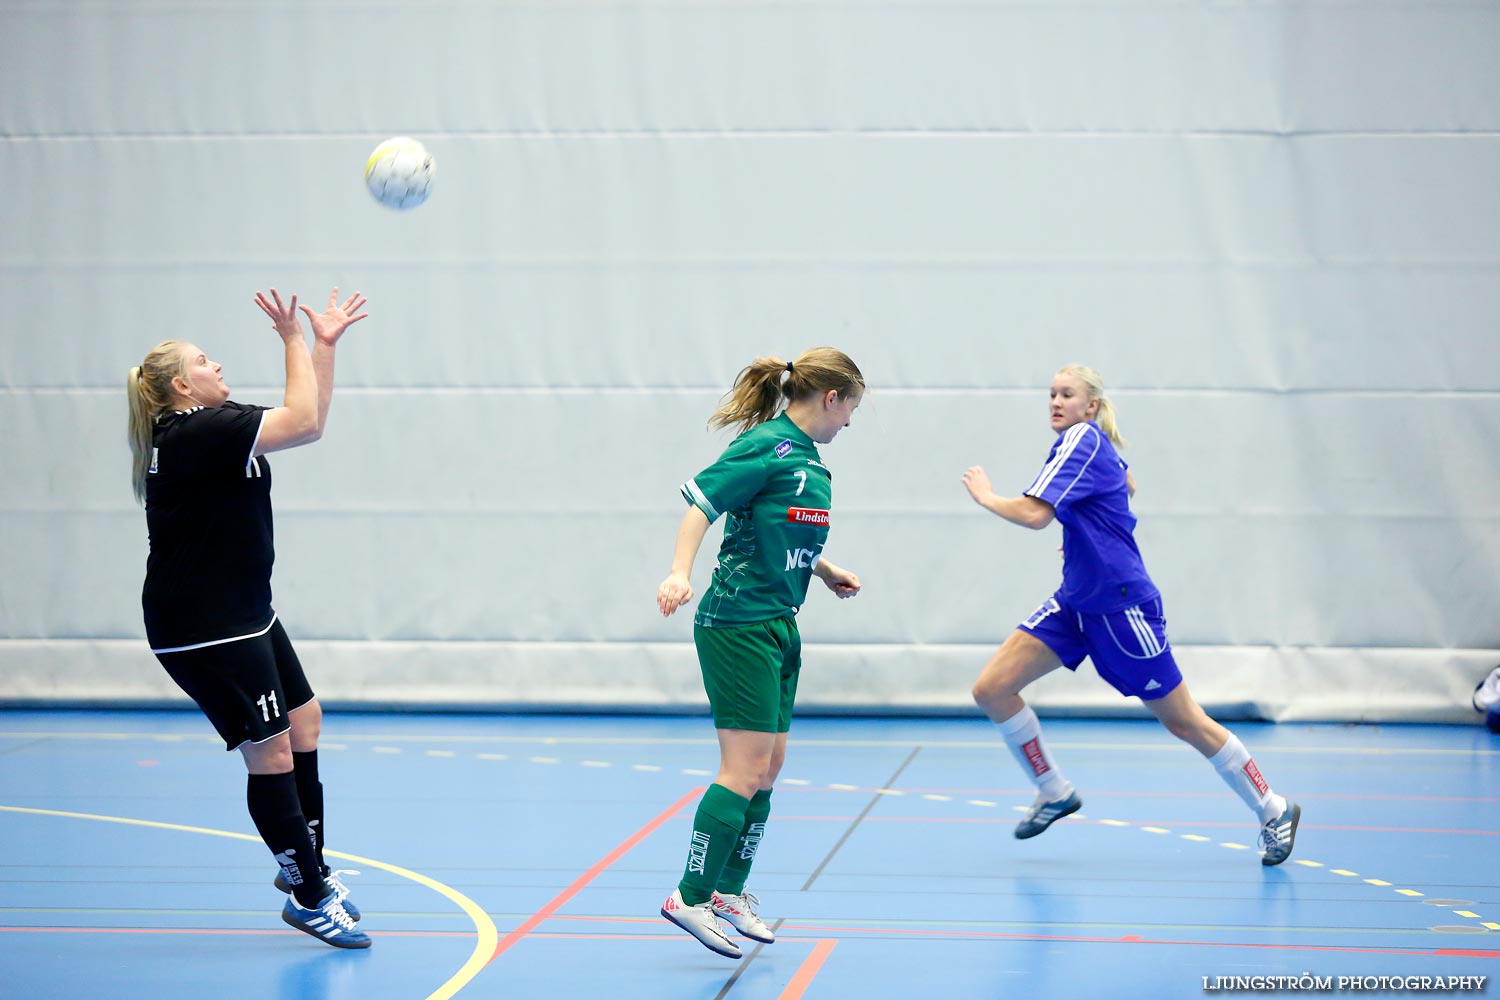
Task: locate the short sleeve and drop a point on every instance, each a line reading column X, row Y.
column 1071, row 471
column 731, row 482
column 220, row 437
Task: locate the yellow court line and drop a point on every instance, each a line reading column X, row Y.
column 488, row 934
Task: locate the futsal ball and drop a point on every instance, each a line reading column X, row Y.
column 399, row 173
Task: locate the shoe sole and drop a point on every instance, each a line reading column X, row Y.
column 1291, row 840
column 332, row 942
column 714, row 947
column 1027, row 835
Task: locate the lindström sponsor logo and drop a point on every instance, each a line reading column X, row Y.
column 1035, row 757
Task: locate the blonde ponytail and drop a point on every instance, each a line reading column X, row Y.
column 148, row 391
column 759, row 391
column 755, row 396
column 1106, row 419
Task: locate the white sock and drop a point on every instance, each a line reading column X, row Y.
column 1240, row 773
column 1023, row 734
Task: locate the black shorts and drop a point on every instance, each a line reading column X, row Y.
column 246, row 687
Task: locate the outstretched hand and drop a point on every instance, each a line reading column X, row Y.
column 283, row 315
column 329, row 325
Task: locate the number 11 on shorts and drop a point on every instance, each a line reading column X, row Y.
column 267, row 711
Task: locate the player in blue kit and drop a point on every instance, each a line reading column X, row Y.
column 1107, row 610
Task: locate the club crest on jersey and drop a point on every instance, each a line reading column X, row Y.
column 783, row 449
column 806, row 515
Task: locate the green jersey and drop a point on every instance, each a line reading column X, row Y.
column 774, row 491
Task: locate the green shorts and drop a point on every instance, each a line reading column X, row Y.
column 750, row 673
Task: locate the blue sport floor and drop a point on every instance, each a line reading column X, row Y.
column 526, row 857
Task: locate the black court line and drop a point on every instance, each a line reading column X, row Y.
column 860, row 818
column 754, row 952
column 740, row 970
column 729, row 984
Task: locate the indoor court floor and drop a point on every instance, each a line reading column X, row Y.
column 525, row 856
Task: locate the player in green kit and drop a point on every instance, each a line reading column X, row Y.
column 774, row 492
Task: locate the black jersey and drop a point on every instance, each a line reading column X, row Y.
column 208, row 511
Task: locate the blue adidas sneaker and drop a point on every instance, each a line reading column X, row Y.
column 1043, row 814
column 331, row 878
column 1487, row 700
column 1279, row 834
column 329, row 923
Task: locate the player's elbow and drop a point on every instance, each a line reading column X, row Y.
column 1039, row 517
column 308, row 431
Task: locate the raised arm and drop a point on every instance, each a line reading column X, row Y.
column 1028, row 512
column 676, row 590
column 295, row 421
column 328, row 326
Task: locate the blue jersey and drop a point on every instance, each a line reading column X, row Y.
column 1084, row 481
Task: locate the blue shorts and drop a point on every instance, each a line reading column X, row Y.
column 1129, row 648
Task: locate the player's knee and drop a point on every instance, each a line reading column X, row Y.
column 307, row 726
column 993, row 687
column 765, row 771
column 745, row 776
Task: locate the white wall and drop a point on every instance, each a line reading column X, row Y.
column 1274, row 227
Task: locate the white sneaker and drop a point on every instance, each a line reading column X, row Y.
column 742, row 912
column 700, row 922
column 1487, row 693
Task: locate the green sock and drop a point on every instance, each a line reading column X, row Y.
column 716, row 827
column 737, row 868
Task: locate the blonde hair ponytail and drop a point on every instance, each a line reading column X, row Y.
column 148, row 390
column 759, row 391
column 1108, row 422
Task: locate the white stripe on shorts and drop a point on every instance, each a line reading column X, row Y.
column 218, row 642
column 1143, row 631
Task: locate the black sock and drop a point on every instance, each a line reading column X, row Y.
column 273, row 807
column 310, row 793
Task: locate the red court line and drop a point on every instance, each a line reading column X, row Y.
column 808, row 969
column 561, row 899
